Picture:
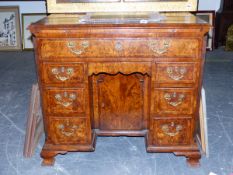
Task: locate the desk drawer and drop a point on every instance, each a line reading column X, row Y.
column 173, row 101
column 68, row 130
column 176, row 74
column 62, row 74
column 171, row 132
column 157, row 47
column 64, row 101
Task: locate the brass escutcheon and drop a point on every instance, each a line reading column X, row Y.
column 118, row 46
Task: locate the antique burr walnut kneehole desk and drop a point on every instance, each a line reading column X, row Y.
column 120, row 79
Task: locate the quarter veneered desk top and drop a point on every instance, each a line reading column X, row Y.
column 170, row 19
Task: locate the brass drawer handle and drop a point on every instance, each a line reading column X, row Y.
column 66, row 129
column 176, row 73
column 158, row 48
column 118, row 46
column 174, row 99
column 65, row 99
column 166, row 129
column 73, row 48
column 62, row 73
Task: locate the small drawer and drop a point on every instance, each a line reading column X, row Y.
column 62, row 74
column 68, row 130
column 129, row 47
column 172, row 47
column 64, row 101
column 173, row 101
column 176, row 74
column 170, row 132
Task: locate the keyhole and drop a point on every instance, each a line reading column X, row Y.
column 118, row 46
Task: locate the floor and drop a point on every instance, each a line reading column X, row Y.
column 113, row 155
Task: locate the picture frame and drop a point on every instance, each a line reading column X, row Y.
column 208, row 16
column 35, row 127
column 10, row 34
column 202, row 136
column 27, row 19
column 74, row 6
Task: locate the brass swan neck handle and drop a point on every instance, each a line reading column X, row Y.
column 78, row 50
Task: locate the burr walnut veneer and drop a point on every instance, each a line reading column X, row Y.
column 120, row 80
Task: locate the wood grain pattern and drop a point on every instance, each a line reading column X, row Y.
column 64, row 101
column 171, row 131
column 176, row 74
column 127, row 47
column 120, row 79
column 173, row 101
column 120, row 102
column 63, row 74
column 68, row 131
column 122, row 67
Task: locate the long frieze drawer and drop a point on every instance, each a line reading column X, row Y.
column 64, row 101
column 173, row 101
column 176, row 73
column 62, row 74
column 68, row 130
column 171, row 132
column 157, row 47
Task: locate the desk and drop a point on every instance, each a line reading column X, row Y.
column 120, row 80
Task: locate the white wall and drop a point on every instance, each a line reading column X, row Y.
column 209, row 5
column 27, row 7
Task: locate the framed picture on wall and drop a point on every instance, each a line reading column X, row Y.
column 27, row 19
column 83, row 6
column 10, row 37
column 208, row 16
